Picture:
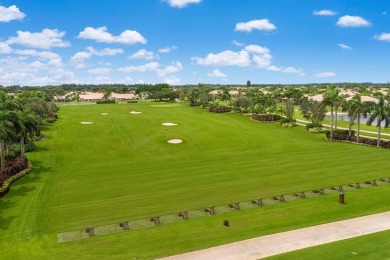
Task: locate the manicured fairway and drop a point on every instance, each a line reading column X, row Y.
column 121, row 167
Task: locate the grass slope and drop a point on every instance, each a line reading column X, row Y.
column 120, row 167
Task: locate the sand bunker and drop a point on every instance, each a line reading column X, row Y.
column 135, row 112
column 104, row 114
column 168, row 124
column 175, row 141
column 86, row 123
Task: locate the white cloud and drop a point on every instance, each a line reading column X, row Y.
column 151, row 66
column 262, row 56
column 79, row 58
column 352, row 21
column 262, row 25
column 48, row 55
column 54, row 58
column 217, row 74
column 167, row 49
column 239, row 44
column 225, row 58
column 5, row 48
column 182, row 3
column 101, row 35
column 143, row 55
column 344, row 46
column 176, row 67
column 256, row 49
column 42, row 40
column 325, row 74
column 172, row 80
column 8, row 14
column 325, row 12
column 99, row 71
column 383, row 37
column 288, row 70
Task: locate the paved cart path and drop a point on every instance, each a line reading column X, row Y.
column 279, row 243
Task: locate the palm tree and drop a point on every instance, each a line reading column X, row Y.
column 359, row 109
column 380, row 112
column 26, row 125
column 6, row 134
column 332, row 99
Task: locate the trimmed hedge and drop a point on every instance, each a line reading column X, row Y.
column 220, row 109
column 5, row 185
column 106, row 101
column 343, row 135
column 266, row 117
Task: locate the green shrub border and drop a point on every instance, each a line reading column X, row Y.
column 7, row 183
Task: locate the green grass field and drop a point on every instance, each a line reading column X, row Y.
column 121, row 168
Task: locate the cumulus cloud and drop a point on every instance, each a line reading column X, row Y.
column 8, row 14
column 175, row 67
column 79, row 58
column 100, row 34
column 261, row 57
column 324, row 12
column 172, row 80
column 225, row 58
column 182, row 3
column 325, row 74
column 352, row 21
column 261, row 25
column 167, row 49
column 344, row 46
column 54, row 58
column 288, row 70
column 143, row 55
column 217, row 74
column 41, row 40
column 382, row 37
column 5, row 48
column 99, row 71
column 151, row 66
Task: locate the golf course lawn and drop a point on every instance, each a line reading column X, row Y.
column 119, row 167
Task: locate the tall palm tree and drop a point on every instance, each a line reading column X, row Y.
column 26, row 125
column 332, row 98
column 380, row 112
column 6, row 134
column 360, row 109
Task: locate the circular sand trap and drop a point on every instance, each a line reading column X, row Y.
column 135, row 112
column 104, row 114
column 175, row 141
column 168, row 124
column 86, row 123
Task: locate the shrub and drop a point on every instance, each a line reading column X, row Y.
column 220, row 109
column 286, row 122
column 106, row 101
column 266, row 117
column 132, row 101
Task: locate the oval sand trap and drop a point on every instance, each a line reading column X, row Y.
column 135, row 112
column 104, row 114
column 168, row 124
column 86, row 123
column 175, row 141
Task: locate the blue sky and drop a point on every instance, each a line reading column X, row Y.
column 194, row 41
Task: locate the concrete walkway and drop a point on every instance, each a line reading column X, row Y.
column 279, row 243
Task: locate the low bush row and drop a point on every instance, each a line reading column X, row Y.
column 220, row 109
column 266, row 117
column 4, row 185
column 13, row 167
column 343, row 135
column 106, row 101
